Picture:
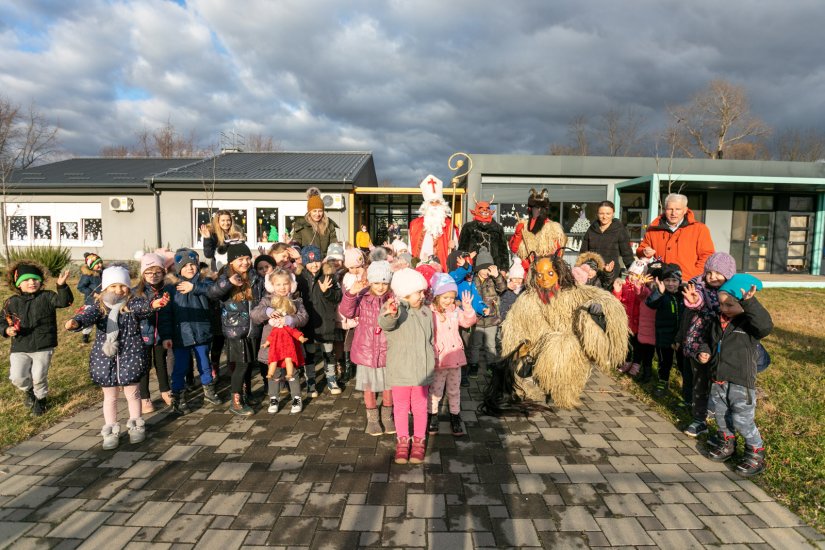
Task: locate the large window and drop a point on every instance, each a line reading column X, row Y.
column 263, row 222
column 58, row 223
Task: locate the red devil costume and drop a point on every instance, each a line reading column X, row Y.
column 423, row 241
column 484, row 231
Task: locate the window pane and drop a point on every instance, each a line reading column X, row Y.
column 69, row 231
column 203, row 216
column 92, row 229
column 42, row 227
column 799, row 221
column 797, row 250
column 288, row 221
column 634, row 200
column 739, row 225
column 802, row 204
column 798, row 236
column 18, row 228
column 266, row 225
column 578, row 217
column 509, row 215
column 762, row 202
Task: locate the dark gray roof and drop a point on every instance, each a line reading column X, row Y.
column 95, row 173
column 277, row 167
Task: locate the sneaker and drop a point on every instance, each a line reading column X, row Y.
column 624, row 367
column 417, row 451
column 472, row 371
column 39, row 407
column 634, row 369
column 456, row 425
column 111, row 436
column 696, row 428
column 332, row 386
column 296, row 406
column 402, row 450
column 312, row 391
column 274, row 405
column 137, row 430
column 146, row 406
column 29, row 399
column 432, row 429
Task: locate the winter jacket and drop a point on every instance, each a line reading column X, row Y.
column 37, row 316
column 699, row 317
column 191, row 312
column 490, row 290
column 459, row 275
column 506, row 302
column 612, row 244
column 236, row 322
column 322, row 307
column 260, row 317
column 347, row 280
column 89, row 284
column 669, row 310
column 688, row 247
column 304, row 234
column 630, row 299
column 733, row 348
column 449, row 348
column 475, row 234
column 410, row 346
column 369, row 343
column 647, row 319
column 217, row 253
column 160, row 325
column 129, row 363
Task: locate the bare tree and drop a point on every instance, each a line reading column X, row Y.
column 748, row 150
column 714, row 119
column 807, row 145
column 170, row 143
column 259, row 143
column 618, row 132
column 114, row 151
column 578, row 137
column 26, row 139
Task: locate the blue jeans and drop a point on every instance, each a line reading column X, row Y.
column 182, row 356
column 735, row 406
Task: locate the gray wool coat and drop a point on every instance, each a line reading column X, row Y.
column 410, row 349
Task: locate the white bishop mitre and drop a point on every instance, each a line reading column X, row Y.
column 432, row 188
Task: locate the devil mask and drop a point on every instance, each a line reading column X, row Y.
column 483, row 213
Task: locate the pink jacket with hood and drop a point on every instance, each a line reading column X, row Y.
column 449, row 348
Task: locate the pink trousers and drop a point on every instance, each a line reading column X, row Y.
column 406, row 399
column 451, row 380
column 132, row 394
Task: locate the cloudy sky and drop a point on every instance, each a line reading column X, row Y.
column 412, row 81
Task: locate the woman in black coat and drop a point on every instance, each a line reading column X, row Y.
column 608, row 237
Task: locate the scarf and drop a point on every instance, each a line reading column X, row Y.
column 110, row 345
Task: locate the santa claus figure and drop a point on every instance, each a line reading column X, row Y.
column 484, row 231
column 433, row 232
column 537, row 235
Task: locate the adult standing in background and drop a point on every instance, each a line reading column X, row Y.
column 608, row 237
column 677, row 238
column 363, row 240
column 218, row 235
column 315, row 228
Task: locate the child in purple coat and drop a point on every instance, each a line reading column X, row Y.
column 364, row 300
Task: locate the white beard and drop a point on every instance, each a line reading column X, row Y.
column 434, row 218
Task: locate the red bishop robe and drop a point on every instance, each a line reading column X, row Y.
column 441, row 245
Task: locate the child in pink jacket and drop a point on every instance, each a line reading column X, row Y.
column 632, row 293
column 449, row 348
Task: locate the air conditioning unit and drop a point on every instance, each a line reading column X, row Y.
column 121, row 204
column 333, row 201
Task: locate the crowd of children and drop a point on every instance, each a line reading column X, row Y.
column 409, row 336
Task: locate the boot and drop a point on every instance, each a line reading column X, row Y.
column 346, row 369
column 418, row 450
column 237, row 406
column 179, row 405
column 456, row 425
column 432, row 425
column 137, row 430
column 753, row 462
column 29, row 398
column 39, row 407
column 146, row 406
column 86, row 338
column 111, row 436
column 661, row 389
column 387, row 419
column 645, row 374
column 209, row 394
column 724, row 449
column 472, row 370
column 249, row 397
column 373, row 426
column 402, row 450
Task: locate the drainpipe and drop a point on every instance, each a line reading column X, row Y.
column 156, row 193
column 819, row 236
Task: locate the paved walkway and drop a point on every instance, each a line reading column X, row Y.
column 612, row 473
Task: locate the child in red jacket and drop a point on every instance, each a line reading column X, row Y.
column 632, row 293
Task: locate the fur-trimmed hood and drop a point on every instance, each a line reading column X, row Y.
column 587, row 256
column 13, row 267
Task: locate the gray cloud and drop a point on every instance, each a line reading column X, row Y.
column 412, row 81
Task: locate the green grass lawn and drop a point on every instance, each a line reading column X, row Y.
column 790, row 413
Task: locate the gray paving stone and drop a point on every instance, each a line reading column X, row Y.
column 626, row 505
column 543, row 465
column 155, row 514
column 110, row 537
column 79, row 525
column 362, row 518
column 225, row 539
column 669, row 473
column 624, row 531
column 425, row 506
column 591, row 440
column 18, row 483
column 404, row 532
column 453, row 541
column 627, row 483
column 783, row 538
column 583, row 473
column 36, row 496
column 774, row 514
column 681, row 539
column 730, row 529
column 230, row 471
column 224, row 503
column 12, row 530
column 576, row 518
column 675, row 516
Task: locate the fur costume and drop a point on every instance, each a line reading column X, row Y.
column 568, row 341
column 538, row 235
column 484, row 231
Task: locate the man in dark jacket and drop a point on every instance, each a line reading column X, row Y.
column 732, row 349
column 30, row 320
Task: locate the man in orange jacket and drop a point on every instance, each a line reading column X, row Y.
column 678, row 238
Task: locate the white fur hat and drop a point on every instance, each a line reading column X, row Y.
column 399, row 246
column 407, row 281
column 516, row 270
column 115, row 275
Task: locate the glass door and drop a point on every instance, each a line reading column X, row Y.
column 799, row 243
column 758, row 249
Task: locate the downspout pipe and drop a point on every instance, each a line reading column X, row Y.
column 156, row 193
